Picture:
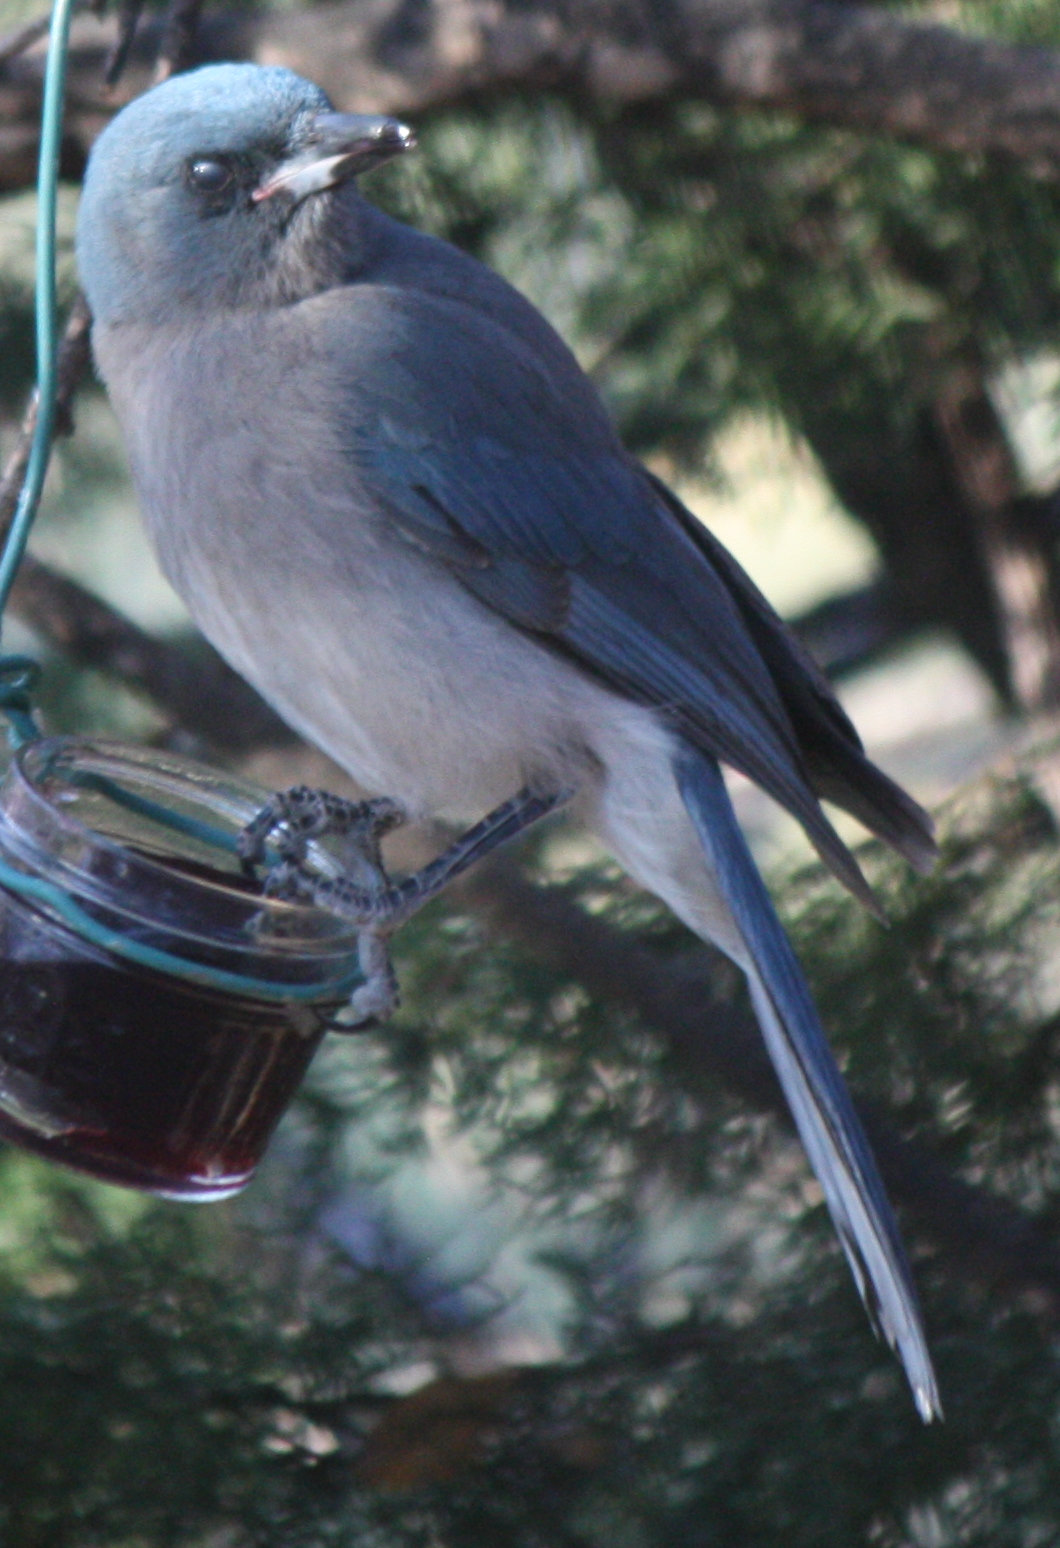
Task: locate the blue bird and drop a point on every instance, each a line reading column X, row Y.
column 392, row 499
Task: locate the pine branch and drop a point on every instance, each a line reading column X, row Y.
column 863, row 67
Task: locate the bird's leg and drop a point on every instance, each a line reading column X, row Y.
column 365, row 894
column 404, row 898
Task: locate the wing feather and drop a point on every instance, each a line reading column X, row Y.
column 505, row 469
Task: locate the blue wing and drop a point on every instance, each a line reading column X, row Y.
column 493, row 454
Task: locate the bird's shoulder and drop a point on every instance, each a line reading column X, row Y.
column 447, row 341
column 460, row 404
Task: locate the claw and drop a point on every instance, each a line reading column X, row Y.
column 378, row 997
column 288, row 821
column 292, row 817
column 290, row 882
column 364, row 893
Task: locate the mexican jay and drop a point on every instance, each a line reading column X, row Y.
column 391, row 498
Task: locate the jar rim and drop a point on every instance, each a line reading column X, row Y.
column 64, row 815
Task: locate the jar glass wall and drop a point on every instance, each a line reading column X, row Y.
column 168, row 1080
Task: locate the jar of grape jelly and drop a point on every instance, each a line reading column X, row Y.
column 167, row 1075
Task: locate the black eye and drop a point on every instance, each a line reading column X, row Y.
column 209, row 175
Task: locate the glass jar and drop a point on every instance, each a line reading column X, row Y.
column 168, row 1074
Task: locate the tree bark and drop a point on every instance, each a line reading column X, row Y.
column 861, row 67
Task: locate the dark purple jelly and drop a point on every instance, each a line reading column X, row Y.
column 138, row 1077
column 133, row 1074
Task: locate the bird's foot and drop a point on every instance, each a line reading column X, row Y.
column 364, row 894
column 378, row 997
column 290, row 818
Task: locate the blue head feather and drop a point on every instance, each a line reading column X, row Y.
column 145, row 250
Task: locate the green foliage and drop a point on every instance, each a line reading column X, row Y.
column 17, row 256
column 706, row 263
column 701, row 1370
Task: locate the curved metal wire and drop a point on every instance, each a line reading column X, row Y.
column 46, row 304
column 82, row 924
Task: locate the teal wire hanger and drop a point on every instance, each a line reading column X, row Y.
column 18, row 674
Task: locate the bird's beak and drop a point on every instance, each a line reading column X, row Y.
column 343, row 144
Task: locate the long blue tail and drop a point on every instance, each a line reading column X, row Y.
column 820, row 1103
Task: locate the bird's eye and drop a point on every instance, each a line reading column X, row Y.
column 209, row 175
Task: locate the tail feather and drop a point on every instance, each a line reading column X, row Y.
column 853, row 782
column 820, row 1103
column 835, row 761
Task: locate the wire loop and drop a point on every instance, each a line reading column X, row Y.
column 46, row 306
column 19, row 676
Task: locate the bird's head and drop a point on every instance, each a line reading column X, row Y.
column 223, row 188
